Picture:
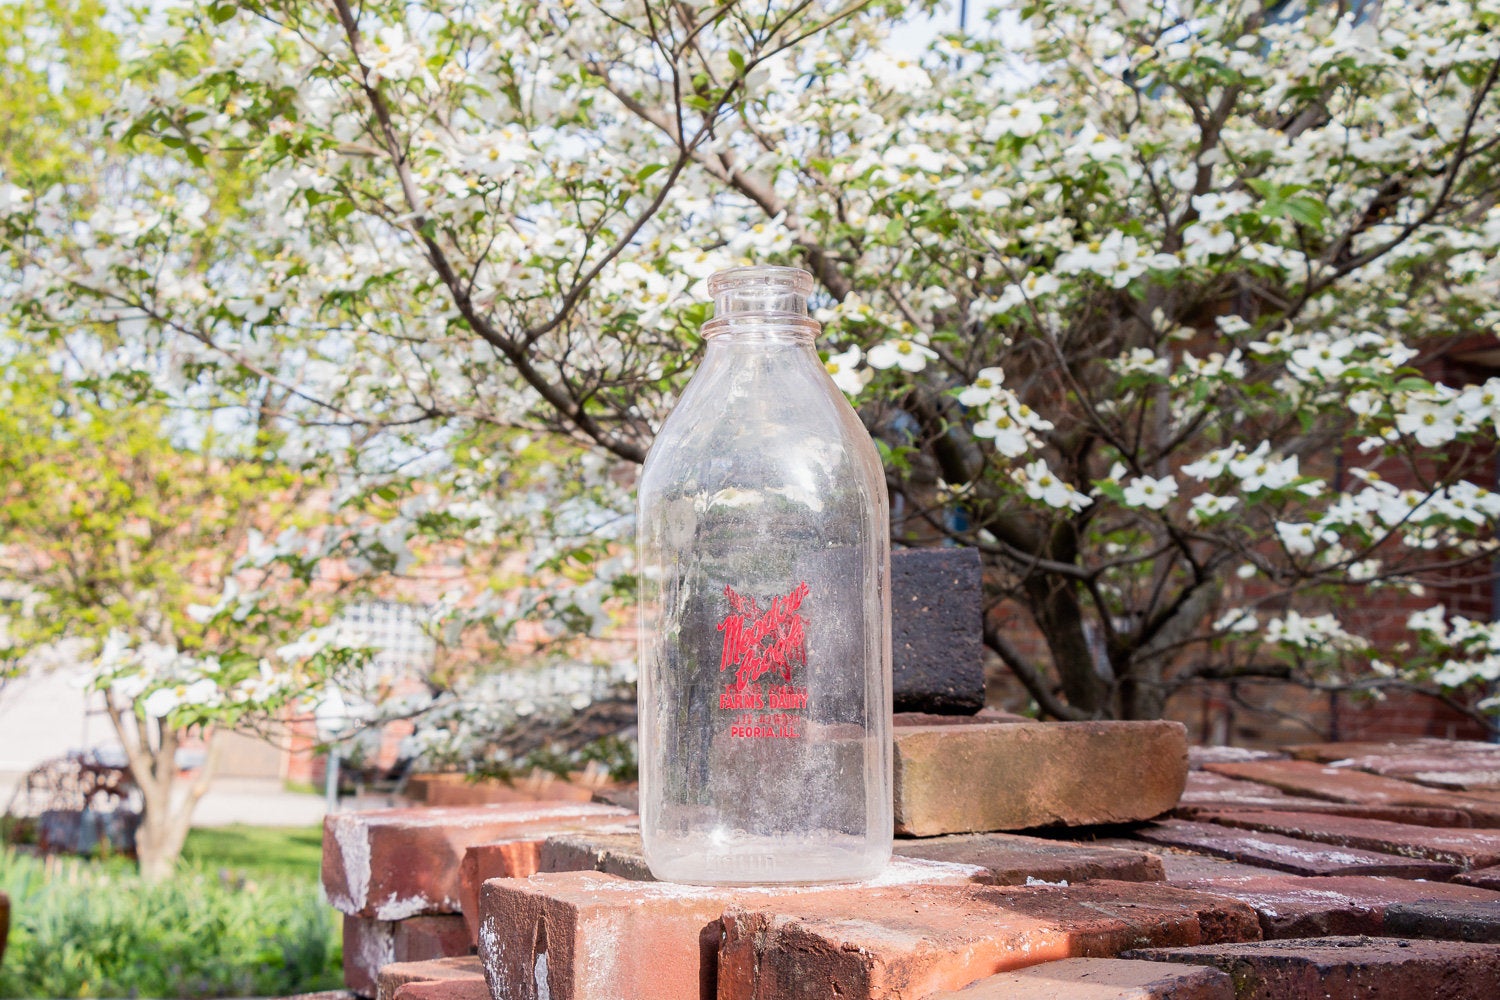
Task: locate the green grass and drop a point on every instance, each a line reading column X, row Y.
column 244, row 917
column 257, row 851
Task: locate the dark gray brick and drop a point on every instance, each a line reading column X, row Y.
column 936, row 626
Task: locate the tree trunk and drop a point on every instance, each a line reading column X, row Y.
column 164, row 822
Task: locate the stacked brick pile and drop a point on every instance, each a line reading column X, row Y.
column 1145, row 871
column 1334, row 870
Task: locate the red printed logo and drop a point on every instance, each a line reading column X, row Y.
column 757, row 642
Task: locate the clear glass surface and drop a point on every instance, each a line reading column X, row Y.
column 765, row 691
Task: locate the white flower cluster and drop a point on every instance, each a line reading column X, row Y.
column 1006, row 421
column 1476, row 643
column 460, row 727
column 162, row 679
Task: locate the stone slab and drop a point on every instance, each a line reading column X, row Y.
column 1348, row 968
column 1016, row 776
column 1010, row 859
column 1100, row 979
column 892, row 945
column 585, row 935
column 396, row 863
column 1288, row 854
column 1465, row 848
column 1346, row 784
column 937, row 625
column 1290, row 906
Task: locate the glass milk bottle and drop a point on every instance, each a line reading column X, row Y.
column 765, row 647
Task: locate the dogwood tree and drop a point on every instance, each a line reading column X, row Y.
column 1159, row 305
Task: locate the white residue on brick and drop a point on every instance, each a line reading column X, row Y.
column 1033, row 880
column 395, row 908
column 377, row 946
column 353, row 839
column 539, row 978
column 606, row 935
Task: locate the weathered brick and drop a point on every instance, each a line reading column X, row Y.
column 419, row 939
column 933, row 719
column 1344, row 784
column 885, row 945
column 399, row 974
column 1206, row 789
column 445, row 989
column 397, row 863
column 616, row 853
column 1100, row 979
column 1010, row 859
column 1288, row 854
column 515, row 857
column 370, row 944
column 1466, row 848
column 1348, row 968
column 1455, row 764
column 1485, row 878
column 1013, row 776
column 585, row 935
column 1452, row 920
column 937, row 623
column 1201, row 755
column 1292, row 907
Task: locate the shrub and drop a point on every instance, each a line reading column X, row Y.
column 88, row 929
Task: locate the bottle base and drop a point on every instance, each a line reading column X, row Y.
column 751, row 861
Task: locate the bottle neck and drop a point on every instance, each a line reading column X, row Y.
column 766, row 304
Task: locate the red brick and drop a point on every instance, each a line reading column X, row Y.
column 370, row 944
column 1485, row 878
column 1466, row 848
column 981, row 716
column 1292, row 907
column 418, row 939
column 1452, row 920
column 1182, row 866
column 1456, row 764
column 1196, row 805
column 445, row 989
column 1201, row 755
column 1287, row 854
column 890, row 944
column 1349, row 968
column 399, row 974
column 1010, row 859
column 1100, row 979
column 397, row 863
column 1013, row 776
column 515, row 857
column 615, row 852
column 585, row 935
column 1344, row 784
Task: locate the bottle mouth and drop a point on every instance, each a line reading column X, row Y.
column 760, row 289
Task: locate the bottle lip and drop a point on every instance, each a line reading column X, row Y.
column 767, row 275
